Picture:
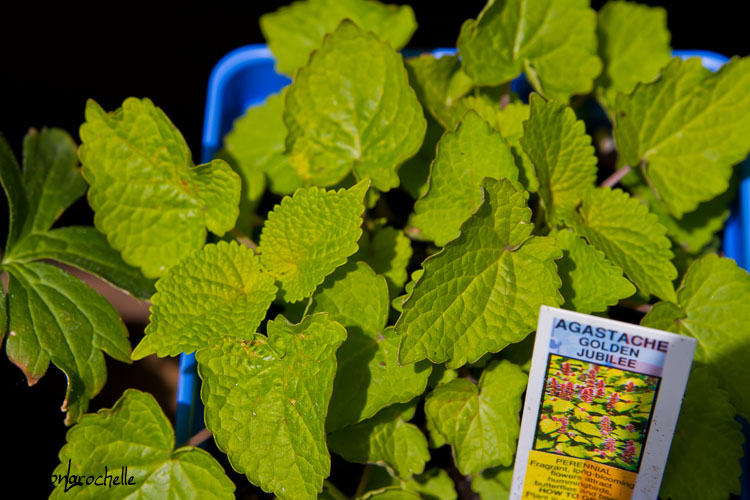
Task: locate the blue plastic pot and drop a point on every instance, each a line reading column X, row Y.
column 246, row 76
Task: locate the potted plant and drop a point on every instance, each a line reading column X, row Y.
column 382, row 234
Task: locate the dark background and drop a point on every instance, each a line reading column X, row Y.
column 53, row 60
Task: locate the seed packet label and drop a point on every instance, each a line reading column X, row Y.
column 601, row 408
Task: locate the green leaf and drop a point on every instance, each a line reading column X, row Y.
column 484, row 289
column 493, row 484
column 369, row 377
column 633, row 46
column 53, row 316
column 464, row 158
column 294, row 31
column 387, row 250
column 266, row 401
column 433, row 484
column 630, row 236
column 562, row 154
column 150, row 201
column 51, row 177
column 509, row 122
column 483, row 104
column 136, row 434
column 481, row 423
column 372, row 128
column 85, row 248
column 398, row 302
column 552, row 41
column 387, row 438
column 590, row 283
column 10, row 177
column 439, row 82
column 234, row 294
column 694, row 230
column 257, row 142
column 712, row 307
column 707, row 424
column 689, row 127
column 309, row 235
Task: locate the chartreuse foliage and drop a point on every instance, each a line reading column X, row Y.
column 150, row 200
column 676, row 127
column 484, row 289
column 266, row 401
column 397, row 310
column 51, row 316
column 293, row 32
column 480, row 421
column 136, row 434
column 552, row 41
column 372, row 128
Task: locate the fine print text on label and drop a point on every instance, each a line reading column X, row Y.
column 598, row 388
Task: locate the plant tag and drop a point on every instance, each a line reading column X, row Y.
column 601, row 407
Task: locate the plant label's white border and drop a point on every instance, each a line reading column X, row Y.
column 614, row 369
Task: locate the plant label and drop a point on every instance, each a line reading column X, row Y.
column 601, row 408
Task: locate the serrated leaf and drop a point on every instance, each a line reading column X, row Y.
column 481, row 422
column 51, row 177
column 369, row 377
column 372, row 128
column 707, row 424
column 509, row 122
column 85, row 248
column 387, row 250
column 633, row 46
column 484, row 289
column 136, row 433
column 494, row 483
column 590, row 283
column 53, row 316
column 387, row 438
column 694, row 230
column 433, row 484
column 712, row 307
column 294, row 31
column 562, row 154
column 689, row 127
column 630, row 236
column 482, row 104
column 309, row 235
column 234, row 293
column 266, row 401
column 439, row 82
column 257, row 142
column 398, row 302
column 150, row 201
column 464, row 158
column 552, row 41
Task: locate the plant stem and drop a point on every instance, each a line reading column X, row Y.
column 245, row 240
column 613, row 179
column 199, row 437
column 362, row 486
column 464, row 372
column 333, row 491
column 505, row 98
column 636, row 306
